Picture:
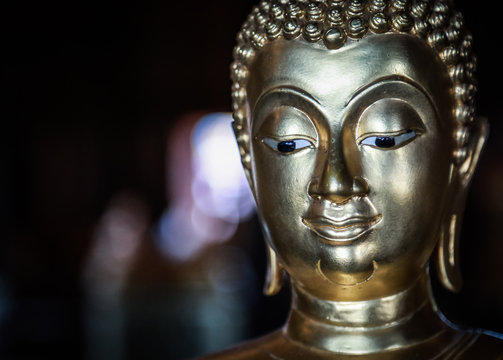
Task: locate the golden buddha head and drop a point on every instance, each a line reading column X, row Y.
column 356, row 128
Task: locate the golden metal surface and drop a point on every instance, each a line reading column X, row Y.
column 356, row 130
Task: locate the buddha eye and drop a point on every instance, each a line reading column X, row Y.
column 385, row 142
column 288, row 146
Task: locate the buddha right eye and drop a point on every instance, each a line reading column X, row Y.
column 288, row 146
column 388, row 142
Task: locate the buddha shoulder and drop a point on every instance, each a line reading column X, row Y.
column 277, row 346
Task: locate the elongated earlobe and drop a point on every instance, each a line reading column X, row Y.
column 275, row 273
column 448, row 265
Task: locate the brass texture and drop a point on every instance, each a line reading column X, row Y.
column 356, row 127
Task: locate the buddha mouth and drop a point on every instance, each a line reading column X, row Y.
column 341, row 232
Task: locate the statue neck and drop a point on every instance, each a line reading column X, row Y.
column 361, row 327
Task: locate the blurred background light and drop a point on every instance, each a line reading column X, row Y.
column 117, row 238
column 219, row 196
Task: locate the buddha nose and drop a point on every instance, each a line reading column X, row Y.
column 338, row 179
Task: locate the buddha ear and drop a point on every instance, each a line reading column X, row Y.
column 243, row 141
column 448, row 267
column 479, row 132
column 275, row 273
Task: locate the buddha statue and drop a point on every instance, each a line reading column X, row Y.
column 356, row 126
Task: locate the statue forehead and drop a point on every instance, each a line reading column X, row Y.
column 334, row 24
column 321, row 72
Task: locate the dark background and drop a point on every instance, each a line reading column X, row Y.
column 90, row 93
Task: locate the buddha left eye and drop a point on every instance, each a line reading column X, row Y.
column 288, row 146
column 385, row 142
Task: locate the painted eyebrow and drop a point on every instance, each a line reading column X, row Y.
column 387, row 79
column 288, row 89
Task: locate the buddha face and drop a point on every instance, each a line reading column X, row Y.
column 351, row 160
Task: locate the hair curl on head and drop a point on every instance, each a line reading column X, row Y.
column 331, row 22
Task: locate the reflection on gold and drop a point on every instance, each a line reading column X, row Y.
column 348, row 279
column 356, row 127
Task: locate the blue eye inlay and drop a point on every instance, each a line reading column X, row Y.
column 287, row 146
column 388, row 142
column 385, row 142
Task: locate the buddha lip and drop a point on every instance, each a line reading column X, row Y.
column 341, row 232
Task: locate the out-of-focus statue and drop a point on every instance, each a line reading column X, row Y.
column 356, row 127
